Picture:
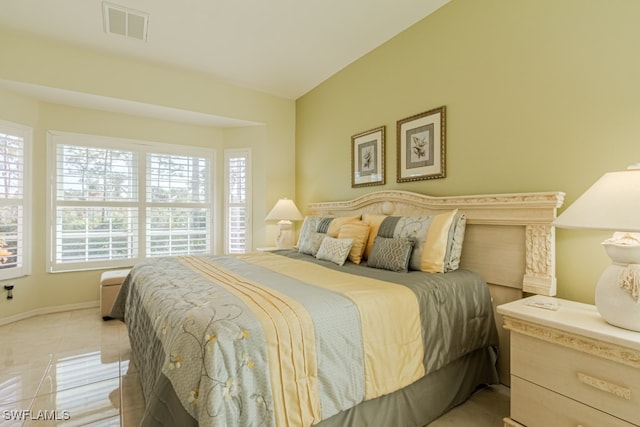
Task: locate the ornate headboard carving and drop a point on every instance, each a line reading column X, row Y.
column 509, row 239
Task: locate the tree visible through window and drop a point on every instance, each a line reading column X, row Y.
column 96, row 214
column 174, row 184
column 15, row 149
column 116, row 202
column 238, row 196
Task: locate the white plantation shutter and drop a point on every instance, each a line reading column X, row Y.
column 116, row 202
column 178, row 214
column 15, row 197
column 237, row 200
column 96, row 199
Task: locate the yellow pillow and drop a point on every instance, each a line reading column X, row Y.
column 359, row 232
column 435, row 246
column 337, row 222
column 374, row 225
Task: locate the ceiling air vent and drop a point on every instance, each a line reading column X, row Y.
column 124, row 21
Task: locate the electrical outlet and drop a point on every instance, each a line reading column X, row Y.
column 9, row 288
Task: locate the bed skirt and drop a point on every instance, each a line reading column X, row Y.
column 414, row 406
column 427, row 399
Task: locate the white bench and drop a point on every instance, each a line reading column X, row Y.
column 110, row 283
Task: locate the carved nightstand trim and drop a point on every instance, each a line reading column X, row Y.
column 598, row 348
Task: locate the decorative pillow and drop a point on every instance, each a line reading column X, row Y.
column 435, row 246
column 310, row 240
column 433, row 236
column 309, row 224
column 336, row 224
column 391, row 253
column 374, row 224
column 411, row 227
column 456, row 239
column 334, row 250
column 359, row 232
column 323, row 224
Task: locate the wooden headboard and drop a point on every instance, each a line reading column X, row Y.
column 509, row 239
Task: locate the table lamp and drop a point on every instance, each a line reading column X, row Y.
column 284, row 212
column 613, row 203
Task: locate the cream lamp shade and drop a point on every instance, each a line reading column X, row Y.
column 284, row 212
column 613, row 203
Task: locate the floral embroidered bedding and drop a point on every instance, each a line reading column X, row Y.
column 284, row 339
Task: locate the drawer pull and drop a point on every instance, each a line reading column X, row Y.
column 603, row 385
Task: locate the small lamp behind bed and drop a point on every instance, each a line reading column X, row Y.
column 284, row 212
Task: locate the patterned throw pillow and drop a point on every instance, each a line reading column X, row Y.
column 410, row 227
column 315, row 228
column 374, row 225
column 437, row 239
column 310, row 240
column 334, row 250
column 391, row 253
column 454, row 246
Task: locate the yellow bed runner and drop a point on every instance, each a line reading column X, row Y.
column 390, row 321
column 389, row 314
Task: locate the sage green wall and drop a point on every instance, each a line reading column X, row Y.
column 34, row 61
column 541, row 95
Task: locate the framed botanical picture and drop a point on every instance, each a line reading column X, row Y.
column 421, row 146
column 367, row 158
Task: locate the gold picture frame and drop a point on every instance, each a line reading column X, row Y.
column 421, row 141
column 367, row 158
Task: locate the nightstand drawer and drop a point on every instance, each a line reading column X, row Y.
column 535, row 406
column 603, row 384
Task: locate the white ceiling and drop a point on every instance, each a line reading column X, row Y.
column 281, row 47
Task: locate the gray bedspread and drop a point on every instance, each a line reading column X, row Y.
column 202, row 353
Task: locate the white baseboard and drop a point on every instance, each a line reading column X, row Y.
column 48, row 310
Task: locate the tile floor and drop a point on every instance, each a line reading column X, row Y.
column 67, row 369
column 486, row 408
column 73, row 369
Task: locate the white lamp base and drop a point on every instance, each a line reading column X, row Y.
column 615, row 304
column 617, row 297
column 284, row 240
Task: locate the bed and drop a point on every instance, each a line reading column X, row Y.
column 393, row 328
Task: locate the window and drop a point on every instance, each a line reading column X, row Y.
column 15, row 200
column 116, row 202
column 178, row 211
column 237, row 200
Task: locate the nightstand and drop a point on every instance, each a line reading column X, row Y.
column 569, row 367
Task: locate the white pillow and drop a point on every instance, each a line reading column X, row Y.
column 334, row 250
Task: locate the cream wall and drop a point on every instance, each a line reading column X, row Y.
column 541, row 95
column 33, row 61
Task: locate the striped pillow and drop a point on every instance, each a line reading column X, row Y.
column 437, row 238
column 359, row 232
